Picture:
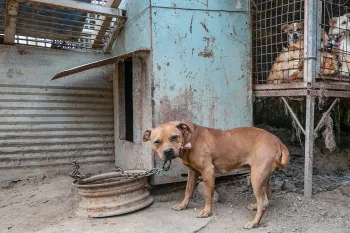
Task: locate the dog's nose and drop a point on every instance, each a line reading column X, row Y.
column 168, row 153
column 295, row 36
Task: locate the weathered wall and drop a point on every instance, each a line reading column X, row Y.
column 136, row 154
column 136, row 33
column 44, row 124
column 200, row 65
column 198, row 70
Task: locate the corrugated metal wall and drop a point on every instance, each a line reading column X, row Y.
column 49, row 124
column 42, row 126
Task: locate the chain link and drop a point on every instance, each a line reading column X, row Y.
column 153, row 171
column 75, row 174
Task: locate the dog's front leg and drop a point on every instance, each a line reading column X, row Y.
column 191, row 185
column 209, row 185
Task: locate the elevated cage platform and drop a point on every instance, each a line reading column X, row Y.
column 301, row 49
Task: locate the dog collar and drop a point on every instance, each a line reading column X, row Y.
column 187, row 146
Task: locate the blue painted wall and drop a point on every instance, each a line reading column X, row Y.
column 199, row 65
column 136, row 34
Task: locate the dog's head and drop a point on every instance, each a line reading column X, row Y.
column 295, row 31
column 339, row 25
column 168, row 140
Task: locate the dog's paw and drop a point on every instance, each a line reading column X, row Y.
column 179, row 207
column 204, row 214
column 250, row 225
column 252, row 206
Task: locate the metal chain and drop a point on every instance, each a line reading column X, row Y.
column 153, row 171
column 75, row 174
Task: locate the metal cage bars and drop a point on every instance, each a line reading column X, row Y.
column 269, row 40
column 40, row 23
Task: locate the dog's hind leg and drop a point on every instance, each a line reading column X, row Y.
column 190, row 186
column 259, row 180
column 254, row 206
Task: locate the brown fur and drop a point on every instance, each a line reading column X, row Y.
column 206, row 151
column 289, row 63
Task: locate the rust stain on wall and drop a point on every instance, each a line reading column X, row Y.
column 178, row 108
column 208, row 49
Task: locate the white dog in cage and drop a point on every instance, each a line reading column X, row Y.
column 340, row 28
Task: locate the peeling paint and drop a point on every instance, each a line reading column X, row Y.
column 238, row 4
column 178, row 108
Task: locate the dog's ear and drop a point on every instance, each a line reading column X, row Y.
column 347, row 15
column 184, row 128
column 147, row 135
column 186, row 131
column 333, row 21
column 284, row 27
column 301, row 25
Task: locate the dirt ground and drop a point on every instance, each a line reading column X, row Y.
column 48, row 204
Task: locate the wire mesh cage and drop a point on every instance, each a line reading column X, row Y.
column 47, row 26
column 336, row 21
column 278, row 41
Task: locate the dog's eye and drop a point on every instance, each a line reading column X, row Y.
column 344, row 22
column 157, row 142
column 174, row 138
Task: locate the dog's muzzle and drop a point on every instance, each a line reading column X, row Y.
column 295, row 36
column 335, row 43
column 169, row 154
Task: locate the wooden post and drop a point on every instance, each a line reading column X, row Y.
column 79, row 6
column 10, row 21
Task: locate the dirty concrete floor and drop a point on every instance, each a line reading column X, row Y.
column 48, row 205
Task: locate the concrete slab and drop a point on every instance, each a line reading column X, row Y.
column 157, row 218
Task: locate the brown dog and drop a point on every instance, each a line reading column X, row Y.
column 206, row 151
column 289, row 64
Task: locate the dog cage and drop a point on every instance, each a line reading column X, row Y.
column 278, row 40
column 301, row 48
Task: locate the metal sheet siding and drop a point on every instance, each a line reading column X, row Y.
column 201, row 65
column 43, row 126
column 136, row 34
column 50, row 124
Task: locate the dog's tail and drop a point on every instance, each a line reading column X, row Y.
column 284, row 157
